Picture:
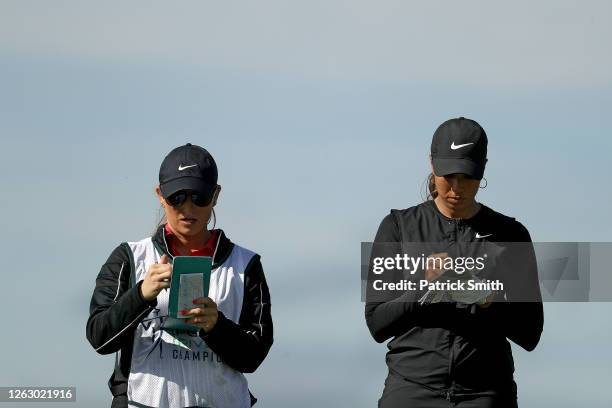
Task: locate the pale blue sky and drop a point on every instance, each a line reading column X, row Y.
column 320, row 115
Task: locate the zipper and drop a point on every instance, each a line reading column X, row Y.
column 456, row 230
column 448, row 395
column 460, row 226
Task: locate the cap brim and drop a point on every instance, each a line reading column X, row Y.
column 186, row 183
column 444, row 167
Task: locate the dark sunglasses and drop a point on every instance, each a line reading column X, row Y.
column 177, row 199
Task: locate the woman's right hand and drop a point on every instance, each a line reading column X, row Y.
column 432, row 274
column 156, row 279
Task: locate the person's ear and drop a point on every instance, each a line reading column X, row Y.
column 216, row 195
column 159, row 196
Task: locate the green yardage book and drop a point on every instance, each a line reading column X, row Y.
column 190, row 280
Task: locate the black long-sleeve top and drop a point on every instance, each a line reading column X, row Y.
column 457, row 350
column 117, row 307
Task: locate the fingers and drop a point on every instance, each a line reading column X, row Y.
column 159, row 272
column 157, row 279
column 162, row 285
column 161, row 280
column 158, row 286
column 205, row 301
column 198, row 311
column 162, row 275
column 205, row 322
column 156, row 268
column 440, row 255
column 207, row 310
column 433, row 273
column 204, row 316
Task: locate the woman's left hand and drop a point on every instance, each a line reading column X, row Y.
column 204, row 315
column 487, row 302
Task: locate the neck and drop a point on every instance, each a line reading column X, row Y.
column 184, row 243
column 466, row 212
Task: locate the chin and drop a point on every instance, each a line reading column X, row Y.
column 455, row 205
column 190, row 230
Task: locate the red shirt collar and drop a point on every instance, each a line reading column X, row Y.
column 207, row 250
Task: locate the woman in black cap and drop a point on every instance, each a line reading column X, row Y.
column 230, row 331
column 446, row 350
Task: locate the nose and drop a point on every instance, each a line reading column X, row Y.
column 456, row 183
column 188, row 203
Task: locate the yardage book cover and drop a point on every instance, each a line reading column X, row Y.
column 190, row 280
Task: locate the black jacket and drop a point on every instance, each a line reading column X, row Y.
column 117, row 307
column 451, row 350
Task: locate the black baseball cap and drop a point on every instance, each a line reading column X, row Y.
column 188, row 167
column 459, row 146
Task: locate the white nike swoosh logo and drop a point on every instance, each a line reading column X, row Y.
column 455, row 147
column 181, row 168
column 482, row 236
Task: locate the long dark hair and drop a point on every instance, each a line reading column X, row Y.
column 430, row 193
